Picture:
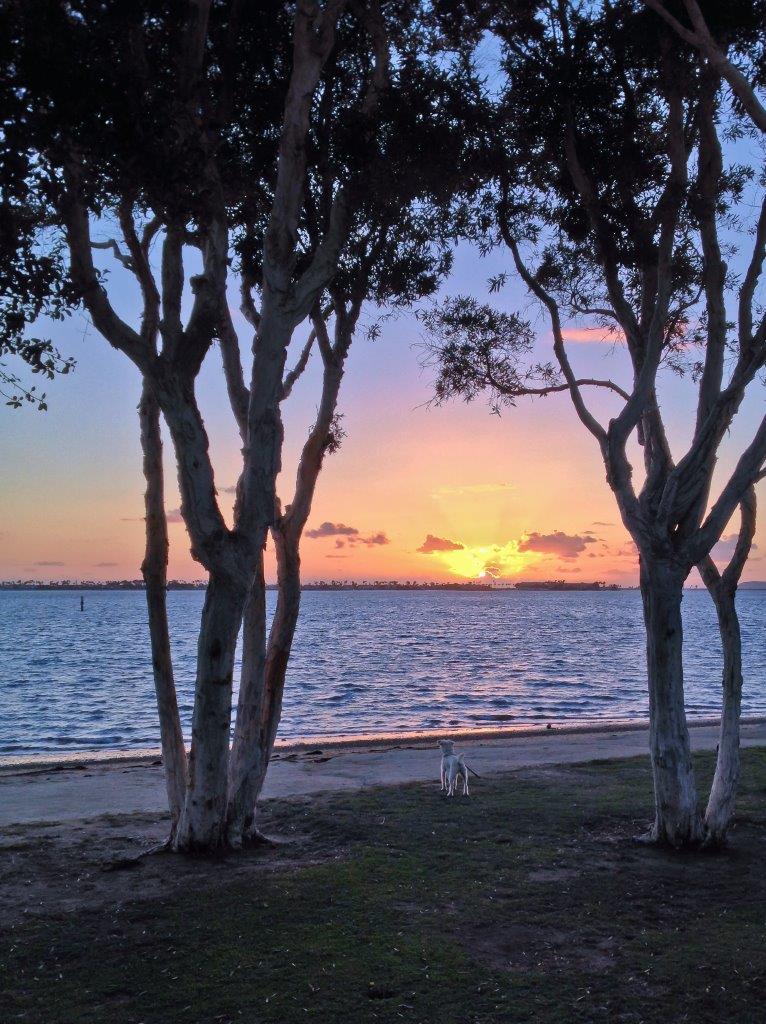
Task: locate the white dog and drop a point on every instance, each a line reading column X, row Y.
column 453, row 767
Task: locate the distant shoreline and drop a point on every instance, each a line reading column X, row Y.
column 552, row 586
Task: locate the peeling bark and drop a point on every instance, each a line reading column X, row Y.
column 723, row 792
column 203, row 821
column 246, row 764
column 264, row 666
column 722, row 587
column 263, row 682
column 154, row 570
column 213, row 795
column 677, row 821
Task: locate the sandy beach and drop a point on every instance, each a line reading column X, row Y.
column 548, row 834
column 79, row 790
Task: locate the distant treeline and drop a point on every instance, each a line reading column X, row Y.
column 320, row 585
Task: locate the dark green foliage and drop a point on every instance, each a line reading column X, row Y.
column 151, row 142
column 602, row 181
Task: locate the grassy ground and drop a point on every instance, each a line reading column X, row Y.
column 526, row 902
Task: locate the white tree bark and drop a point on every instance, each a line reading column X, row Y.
column 723, row 792
column 203, row 821
column 723, row 589
column 246, row 762
column 677, row 817
column 232, row 557
column 264, row 666
column 154, row 570
column 202, row 825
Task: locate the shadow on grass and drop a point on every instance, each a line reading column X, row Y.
column 526, row 902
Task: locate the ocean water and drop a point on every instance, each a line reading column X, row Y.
column 362, row 662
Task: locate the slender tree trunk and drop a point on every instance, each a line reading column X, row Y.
column 723, row 792
column 154, row 570
column 677, row 821
column 203, row 821
column 245, row 763
column 281, row 636
column 723, row 589
column 264, row 669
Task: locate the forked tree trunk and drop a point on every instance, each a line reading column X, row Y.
column 264, row 666
column 203, row 820
column 677, row 820
column 264, row 669
column 154, row 570
column 723, row 792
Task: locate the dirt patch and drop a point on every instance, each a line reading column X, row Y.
column 55, row 869
column 519, row 948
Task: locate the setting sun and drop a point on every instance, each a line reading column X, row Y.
column 492, row 560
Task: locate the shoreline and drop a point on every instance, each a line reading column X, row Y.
column 337, row 742
column 56, row 797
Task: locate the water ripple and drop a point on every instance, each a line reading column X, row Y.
column 363, row 662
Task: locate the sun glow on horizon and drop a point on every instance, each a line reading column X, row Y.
column 491, row 560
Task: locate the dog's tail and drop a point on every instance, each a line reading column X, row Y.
column 470, row 769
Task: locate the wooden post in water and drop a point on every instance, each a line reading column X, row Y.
column 82, row 603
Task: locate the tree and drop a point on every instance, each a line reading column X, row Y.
column 315, row 153
column 32, row 281
column 604, row 114
column 714, row 48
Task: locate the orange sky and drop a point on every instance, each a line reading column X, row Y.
column 521, row 496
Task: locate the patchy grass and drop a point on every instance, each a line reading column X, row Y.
column 526, row 902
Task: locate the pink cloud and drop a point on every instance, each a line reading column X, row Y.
column 563, row 545
column 432, row 544
column 592, row 335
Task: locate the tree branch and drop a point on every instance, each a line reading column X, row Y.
column 313, row 40
column 119, row 334
column 746, row 472
column 559, row 347
column 710, row 168
column 702, row 40
column 239, row 393
column 143, row 272
column 247, row 304
column 749, row 284
column 119, row 255
column 294, row 375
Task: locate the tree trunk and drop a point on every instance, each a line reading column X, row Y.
column 677, row 819
column 264, row 669
column 723, row 589
column 723, row 792
column 245, row 763
column 203, row 821
column 154, row 570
